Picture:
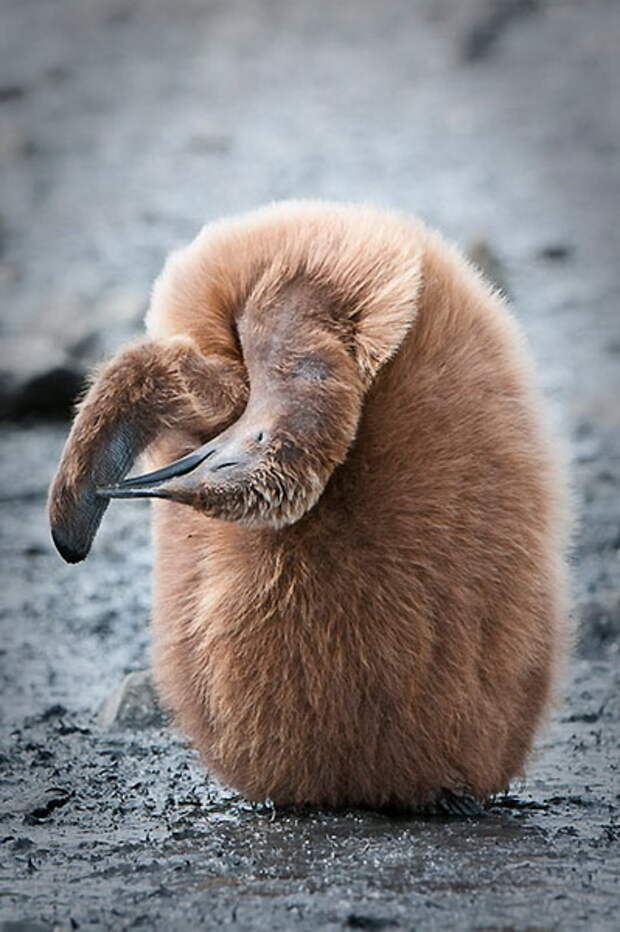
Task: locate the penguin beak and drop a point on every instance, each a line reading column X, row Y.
column 160, row 483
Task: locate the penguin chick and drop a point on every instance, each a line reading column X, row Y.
column 365, row 601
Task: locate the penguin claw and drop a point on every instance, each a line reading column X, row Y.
column 456, row 805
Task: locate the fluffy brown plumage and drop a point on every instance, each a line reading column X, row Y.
column 366, row 603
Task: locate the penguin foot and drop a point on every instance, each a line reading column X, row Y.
column 456, row 806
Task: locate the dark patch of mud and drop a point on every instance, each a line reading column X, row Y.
column 124, row 830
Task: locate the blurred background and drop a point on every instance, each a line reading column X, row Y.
column 125, row 125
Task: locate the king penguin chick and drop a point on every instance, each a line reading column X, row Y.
column 365, row 602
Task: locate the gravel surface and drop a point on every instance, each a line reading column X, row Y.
column 124, row 127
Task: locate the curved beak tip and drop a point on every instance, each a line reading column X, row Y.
column 155, row 484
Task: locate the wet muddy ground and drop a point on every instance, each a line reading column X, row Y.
column 123, row 128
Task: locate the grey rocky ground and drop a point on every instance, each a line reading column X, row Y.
column 123, row 127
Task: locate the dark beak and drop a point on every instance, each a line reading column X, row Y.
column 157, row 484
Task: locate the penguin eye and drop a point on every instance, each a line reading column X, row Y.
column 312, row 368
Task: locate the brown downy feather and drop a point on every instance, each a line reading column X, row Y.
column 366, row 602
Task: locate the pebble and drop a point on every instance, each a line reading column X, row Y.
column 133, row 705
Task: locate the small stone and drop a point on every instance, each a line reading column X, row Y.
column 38, row 807
column 134, row 705
column 359, row 921
column 43, row 805
column 556, row 252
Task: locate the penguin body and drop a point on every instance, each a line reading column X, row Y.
column 365, row 603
